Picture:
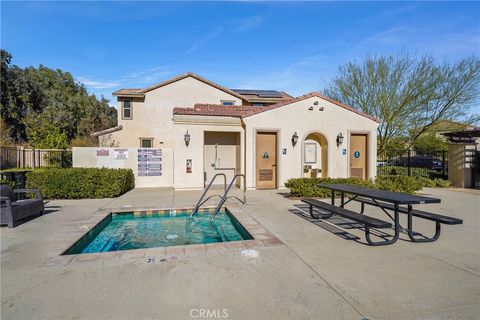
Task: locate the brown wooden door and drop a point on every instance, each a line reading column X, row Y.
column 266, row 160
column 358, row 156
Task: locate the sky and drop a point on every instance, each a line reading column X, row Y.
column 289, row 46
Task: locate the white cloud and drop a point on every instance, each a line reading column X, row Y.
column 247, row 23
column 301, row 76
column 204, row 39
column 392, row 36
column 147, row 76
column 98, row 84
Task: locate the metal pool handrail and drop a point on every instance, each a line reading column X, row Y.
column 224, row 197
column 199, row 203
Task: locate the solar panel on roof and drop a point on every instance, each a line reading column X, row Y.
column 269, row 95
column 260, row 93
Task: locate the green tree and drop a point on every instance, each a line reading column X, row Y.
column 5, row 134
column 33, row 99
column 396, row 146
column 406, row 92
column 430, row 142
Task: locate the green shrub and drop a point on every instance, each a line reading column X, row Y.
column 442, row 183
column 12, row 184
column 429, row 183
column 15, row 170
column 402, row 184
column 81, row 183
column 306, row 187
column 414, row 172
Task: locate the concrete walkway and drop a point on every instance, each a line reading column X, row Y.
column 316, row 274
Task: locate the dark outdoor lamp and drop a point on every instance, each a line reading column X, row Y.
column 339, row 139
column 294, row 139
column 186, row 138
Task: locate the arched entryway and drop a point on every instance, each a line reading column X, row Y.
column 315, row 155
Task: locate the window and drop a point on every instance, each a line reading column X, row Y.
column 227, row 103
column 146, row 142
column 127, row 109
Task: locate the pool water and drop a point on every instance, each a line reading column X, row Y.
column 127, row 231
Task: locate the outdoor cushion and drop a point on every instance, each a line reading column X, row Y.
column 6, row 191
column 13, row 211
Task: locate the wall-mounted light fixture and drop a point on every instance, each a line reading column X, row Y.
column 339, row 139
column 294, row 139
column 186, row 138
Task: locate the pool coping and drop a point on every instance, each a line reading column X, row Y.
column 261, row 238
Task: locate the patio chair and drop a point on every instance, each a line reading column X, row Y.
column 13, row 210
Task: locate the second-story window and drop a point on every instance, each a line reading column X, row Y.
column 228, row 103
column 127, row 109
column 146, row 142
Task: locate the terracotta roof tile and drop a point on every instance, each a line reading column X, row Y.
column 135, row 91
column 217, row 110
column 247, row 111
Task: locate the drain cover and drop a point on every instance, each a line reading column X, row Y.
column 250, row 253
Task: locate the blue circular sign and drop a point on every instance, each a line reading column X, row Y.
column 356, row 154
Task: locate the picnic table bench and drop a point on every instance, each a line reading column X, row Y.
column 385, row 200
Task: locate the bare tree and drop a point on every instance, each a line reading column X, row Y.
column 408, row 94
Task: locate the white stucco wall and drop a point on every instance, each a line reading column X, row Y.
column 152, row 118
column 87, row 158
column 196, row 127
column 297, row 117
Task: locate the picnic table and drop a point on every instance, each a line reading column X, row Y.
column 386, row 201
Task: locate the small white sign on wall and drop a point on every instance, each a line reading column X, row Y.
column 120, row 154
column 310, row 153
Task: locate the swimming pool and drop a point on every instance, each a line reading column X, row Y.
column 154, row 228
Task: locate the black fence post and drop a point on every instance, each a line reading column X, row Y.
column 408, row 164
column 33, row 158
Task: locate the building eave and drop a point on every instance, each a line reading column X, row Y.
column 106, row 131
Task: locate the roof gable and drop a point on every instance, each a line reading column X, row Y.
column 142, row 92
column 197, row 77
column 247, row 111
column 318, row 95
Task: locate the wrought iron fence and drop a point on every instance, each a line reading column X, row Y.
column 431, row 164
column 13, row 157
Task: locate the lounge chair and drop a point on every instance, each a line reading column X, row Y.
column 13, row 210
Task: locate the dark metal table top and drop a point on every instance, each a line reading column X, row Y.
column 387, row 196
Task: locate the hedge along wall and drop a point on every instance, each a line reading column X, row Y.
column 81, row 183
column 307, row 187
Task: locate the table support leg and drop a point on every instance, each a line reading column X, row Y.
column 396, row 235
column 425, row 239
column 333, row 198
column 342, row 199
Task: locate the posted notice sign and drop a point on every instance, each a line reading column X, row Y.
column 120, row 154
column 102, row 153
column 149, row 162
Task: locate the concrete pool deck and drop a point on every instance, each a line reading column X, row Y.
column 318, row 272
